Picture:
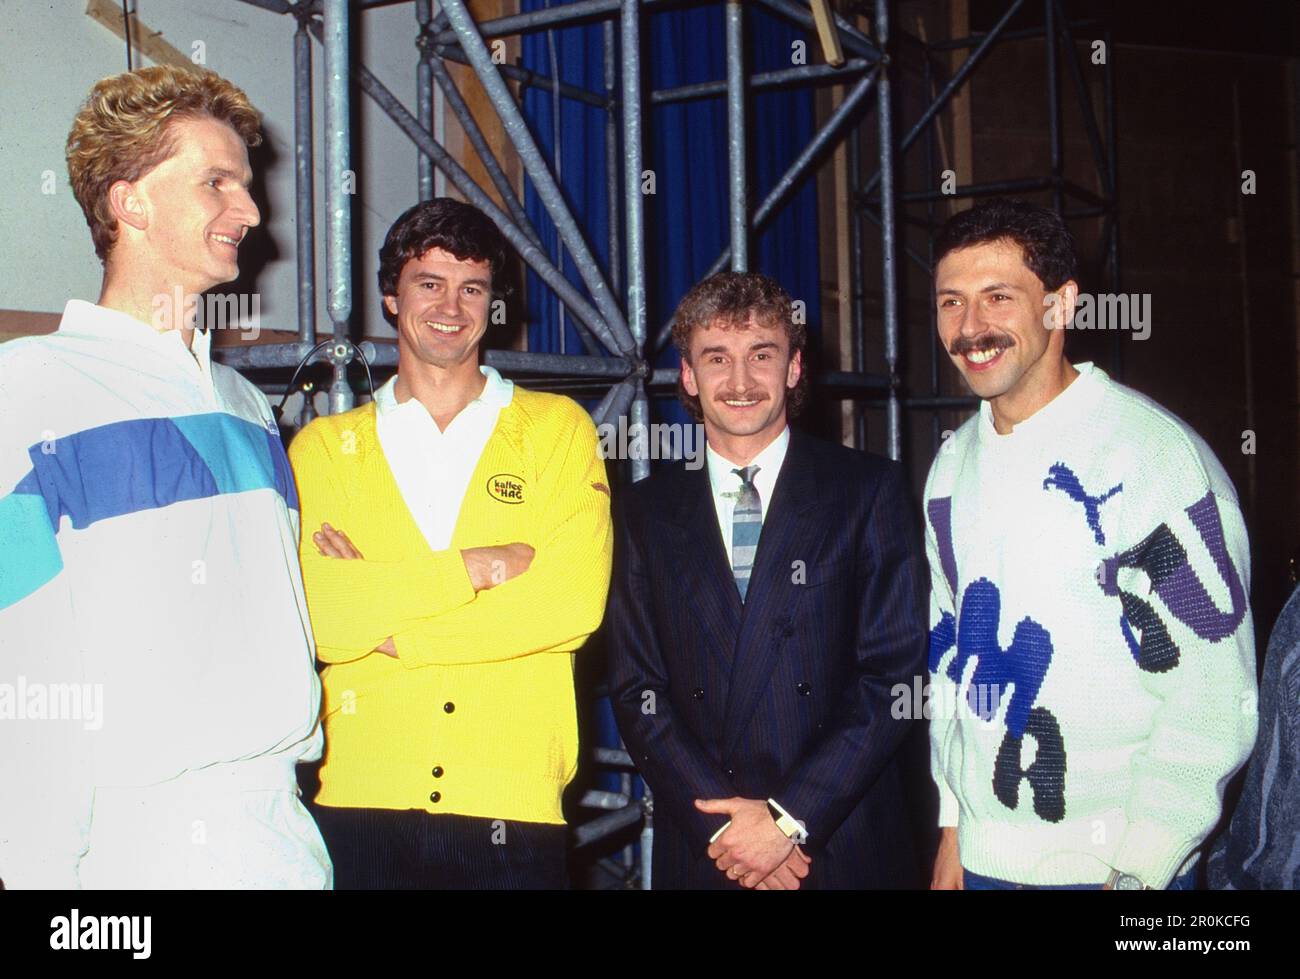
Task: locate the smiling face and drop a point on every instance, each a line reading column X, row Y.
column 741, row 375
column 196, row 206
column 991, row 309
column 441, row 308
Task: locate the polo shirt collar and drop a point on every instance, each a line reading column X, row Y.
column 497, row 393
column 82, row 318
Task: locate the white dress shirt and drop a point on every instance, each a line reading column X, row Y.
column 727, row 485
column 433, row 467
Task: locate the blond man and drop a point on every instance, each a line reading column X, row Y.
column 150, row 595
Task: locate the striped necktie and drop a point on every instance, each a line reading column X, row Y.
column 746, row 525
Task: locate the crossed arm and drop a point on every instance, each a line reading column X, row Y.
column 486, row 566
column 476, row 605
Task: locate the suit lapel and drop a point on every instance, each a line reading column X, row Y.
column 792, row 531
column 707, row 577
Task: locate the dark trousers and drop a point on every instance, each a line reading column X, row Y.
column 387, row 849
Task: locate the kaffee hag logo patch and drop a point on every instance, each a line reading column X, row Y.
column 506, row 488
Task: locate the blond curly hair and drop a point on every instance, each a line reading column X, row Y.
column 122, row 132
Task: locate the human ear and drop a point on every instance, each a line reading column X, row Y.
column 688, row 379
column 127, row 205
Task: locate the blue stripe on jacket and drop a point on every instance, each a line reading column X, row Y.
column 128, row 467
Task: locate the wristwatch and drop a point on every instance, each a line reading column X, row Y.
column 1120, row 881
column 786, row 823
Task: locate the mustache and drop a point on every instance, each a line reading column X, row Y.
column 968, row 345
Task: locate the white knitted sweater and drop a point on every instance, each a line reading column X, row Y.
column 1090, row 587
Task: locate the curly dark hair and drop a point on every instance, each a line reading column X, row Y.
column 1039, row 231
column 727, row 300
column 452, row 225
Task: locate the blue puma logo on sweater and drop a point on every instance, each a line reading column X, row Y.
column 1062, row 477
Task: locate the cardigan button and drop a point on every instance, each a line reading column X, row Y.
column 437, row 771
column 804, row 689
column 435, row 796
column 449, row 707
column 698, row 693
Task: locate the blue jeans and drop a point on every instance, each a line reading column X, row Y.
column 978, row 882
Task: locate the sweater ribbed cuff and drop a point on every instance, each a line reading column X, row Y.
column 450, row 580
column 1152, row 853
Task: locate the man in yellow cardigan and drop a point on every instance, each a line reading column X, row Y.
column 456, row 553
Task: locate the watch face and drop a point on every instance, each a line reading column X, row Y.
column 1128, row 883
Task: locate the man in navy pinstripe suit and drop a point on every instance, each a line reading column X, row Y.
column 762, row 610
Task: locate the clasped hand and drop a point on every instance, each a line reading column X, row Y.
column 752, row 851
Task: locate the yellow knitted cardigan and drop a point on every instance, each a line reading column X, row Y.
column 476, row 715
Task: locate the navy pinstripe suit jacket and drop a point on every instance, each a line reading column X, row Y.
column 787, row 695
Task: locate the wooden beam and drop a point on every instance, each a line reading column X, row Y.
column 16, row 323
column 485, row 114
column 830, row 37
column 148, row 43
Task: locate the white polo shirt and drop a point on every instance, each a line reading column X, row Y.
column 433, row 467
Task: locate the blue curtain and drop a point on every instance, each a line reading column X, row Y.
column 686, row 147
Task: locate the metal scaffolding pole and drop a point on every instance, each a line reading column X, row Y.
column 590, row 370
column 888, row 244
column 958, row 79
column 582, row 311
column 988, row 188
column 528, row 79
column 1110, row 228
column 338, row 201
column 932, row 319
column 970, row 42
column 424, row 94
column 304, row 165
column 611, row 157
column 456, row 102
column 338, row 129
column 1054, row 108
column 857, row 298
column 795, row 174
column 548, row 191
column 737, row 190
column 909, row 253
column 616, row 402
column 765, row 80
column 853, row 39
column 532, row 362
column 634, row 205
column 561, row 15
column 639, row 413
column 1085, row 103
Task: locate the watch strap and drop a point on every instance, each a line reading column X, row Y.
column 786, row 823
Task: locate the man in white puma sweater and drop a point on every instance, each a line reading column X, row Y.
column 1092, row 653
